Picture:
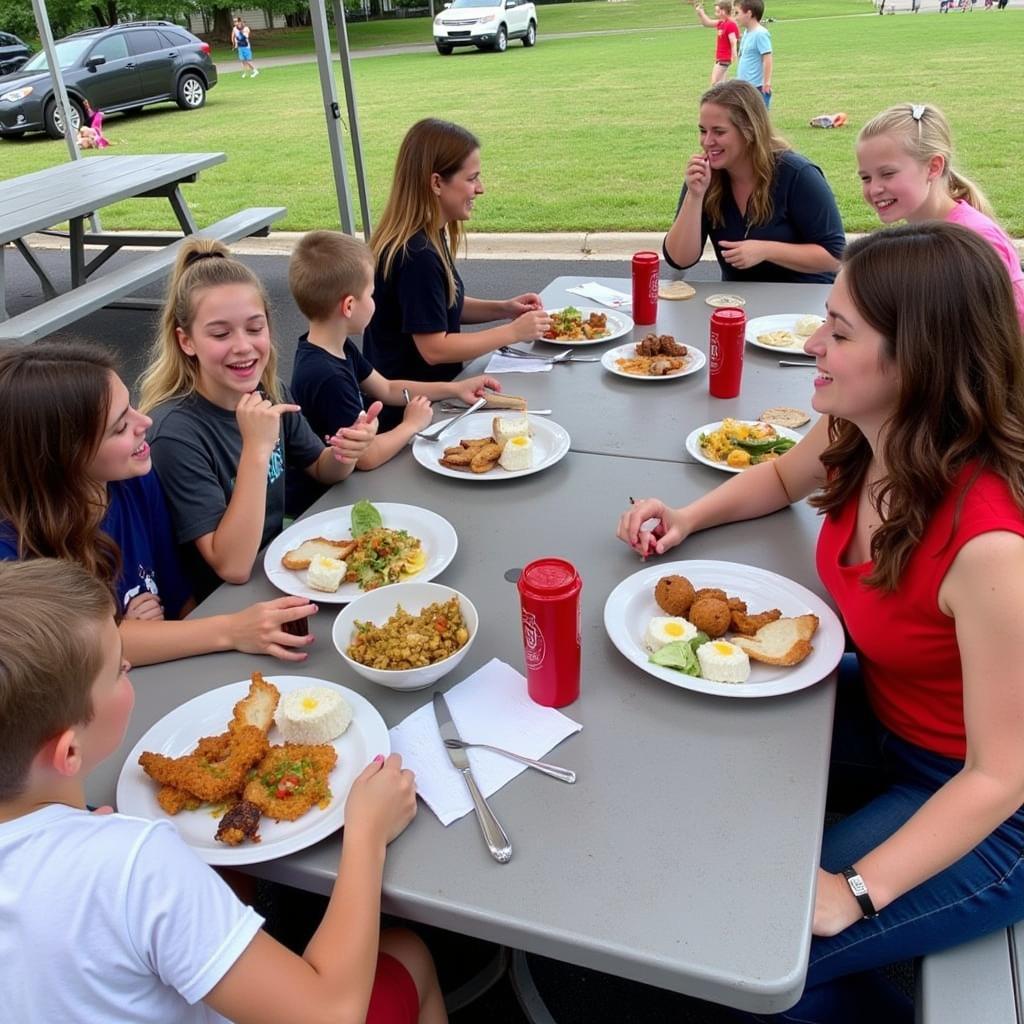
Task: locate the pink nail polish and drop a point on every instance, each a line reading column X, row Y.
column 379, row 759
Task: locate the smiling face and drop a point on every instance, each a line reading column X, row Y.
column 229, row 338
column 720, row 139
column 894, row 184
column 457, row 193
column 123, row 452
column 855, row 380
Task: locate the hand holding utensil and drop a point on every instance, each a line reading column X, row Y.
column 434, row 433
column 562, row 774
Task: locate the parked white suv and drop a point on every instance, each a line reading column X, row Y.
column 485, row 24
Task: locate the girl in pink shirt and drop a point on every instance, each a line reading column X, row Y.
column 904, row 156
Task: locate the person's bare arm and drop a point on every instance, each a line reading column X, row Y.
column 767, row 63
column 702, row 16
column 683, row 241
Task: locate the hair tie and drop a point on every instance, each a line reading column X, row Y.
column 195, row 257
column 917, row 111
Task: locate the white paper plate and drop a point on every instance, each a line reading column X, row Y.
column 178, row 731
column 436, row 534
column 693, row 442
column 631, row 606
column 550, row 444
column 695, row 360
column 619, row 325
column 776, row 322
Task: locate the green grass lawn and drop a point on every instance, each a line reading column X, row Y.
column 580, row 134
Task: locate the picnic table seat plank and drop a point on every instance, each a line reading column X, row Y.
column 100, row 291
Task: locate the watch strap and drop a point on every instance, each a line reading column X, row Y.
column 860, row 891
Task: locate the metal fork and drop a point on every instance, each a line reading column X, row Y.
column 434, row 433
column 562, row 357
column 562, row 774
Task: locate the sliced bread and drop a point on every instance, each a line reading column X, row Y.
column 499, row 400
column 300, row 557
column 782, row 642
column 504, row 428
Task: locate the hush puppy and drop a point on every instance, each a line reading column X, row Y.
column 710, row 615
column 675, row 595
column 704, row 592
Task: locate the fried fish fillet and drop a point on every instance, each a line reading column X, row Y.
column 748, row 625
column 257, row 707
column 218, row 766
column 174, row 801
column 291, row 779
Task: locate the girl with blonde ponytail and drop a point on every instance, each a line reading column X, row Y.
column 905, row 161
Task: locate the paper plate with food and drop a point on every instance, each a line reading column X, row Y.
column 653, row 357
column 334, row 556
column 254, row 770
column 782, row 332
column 585, row 325
column 490, row 448
column 736, row 445
column 723, row 628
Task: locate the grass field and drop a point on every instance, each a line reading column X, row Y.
column 585, row 133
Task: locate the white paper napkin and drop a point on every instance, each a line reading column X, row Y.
column 516, row 364
column 491, row 706
column 606, row 296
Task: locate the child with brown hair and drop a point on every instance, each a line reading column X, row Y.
column 728, row 36
column 115, row 918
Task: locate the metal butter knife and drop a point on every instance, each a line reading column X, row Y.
column 494, row 835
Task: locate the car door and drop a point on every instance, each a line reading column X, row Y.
column 113, row 83
column 154, row 61
column 515, row 17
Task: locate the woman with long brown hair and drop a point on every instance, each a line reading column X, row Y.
column 415, row 333
column 917, row 466
column 769, row 211
column 76, row 483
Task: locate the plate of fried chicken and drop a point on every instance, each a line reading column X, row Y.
column 653, row 357
column 218, row 769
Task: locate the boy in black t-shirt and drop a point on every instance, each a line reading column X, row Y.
column 331, row 279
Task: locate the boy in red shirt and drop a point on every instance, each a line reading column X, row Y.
column 728, row 36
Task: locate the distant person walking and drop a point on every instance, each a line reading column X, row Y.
column 756, row 59
column 728, row 36
column 240, row 41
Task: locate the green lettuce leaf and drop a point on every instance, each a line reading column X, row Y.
column 365, row 517
column 678, row 655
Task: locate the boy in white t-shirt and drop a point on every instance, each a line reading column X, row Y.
column 107, row 918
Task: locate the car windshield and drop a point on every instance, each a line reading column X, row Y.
column 67, row 54
column 463, row 4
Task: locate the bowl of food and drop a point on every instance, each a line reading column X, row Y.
column 407, row 635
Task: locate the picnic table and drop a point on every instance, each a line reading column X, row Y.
column 71, row 192
column 685, row 855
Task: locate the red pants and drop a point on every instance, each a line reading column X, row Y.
column 394, row 999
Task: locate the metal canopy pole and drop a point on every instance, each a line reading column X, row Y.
column 332, row 112
column 353, row 116
column 46, row 36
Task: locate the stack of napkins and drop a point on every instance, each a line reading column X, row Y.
column 606, row 296
column 517, row 364
column 491, row 706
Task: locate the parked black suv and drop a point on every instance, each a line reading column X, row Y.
column 125, row 67
column 13, row 53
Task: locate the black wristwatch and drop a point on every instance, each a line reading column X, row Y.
column 860, row 892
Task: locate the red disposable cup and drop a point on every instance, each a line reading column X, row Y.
column 728, row 327
column 549, row 593
column 645, row 287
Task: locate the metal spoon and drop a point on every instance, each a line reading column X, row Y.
column 562, row 774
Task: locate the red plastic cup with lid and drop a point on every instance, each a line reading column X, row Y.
column 725, row 370
column 645, row 287
column 549, row 594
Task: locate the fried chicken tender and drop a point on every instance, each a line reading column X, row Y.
column 257, row 707
column 748, row 625
column 710, row 615
column 486, row 458
column 174, row 801
column 457, row 458
column 674, row 595
column 476, row 442
column 218, row 766
column 241, row 822
column 291, row 779
column 736, row 604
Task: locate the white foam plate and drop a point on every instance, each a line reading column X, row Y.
column 619, row 325
column 694, row 448
column 776, row 322
column 694, row 361
column 631, row 606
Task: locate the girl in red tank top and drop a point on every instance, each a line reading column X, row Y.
column 918, row 467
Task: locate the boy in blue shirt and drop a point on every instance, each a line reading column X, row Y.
column 331, row 279
column 755, row 64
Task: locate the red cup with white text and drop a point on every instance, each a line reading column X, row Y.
column 725, row 367
column 646, row 266
column 549, row 595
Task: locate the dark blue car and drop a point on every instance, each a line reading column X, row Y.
column 125, row 67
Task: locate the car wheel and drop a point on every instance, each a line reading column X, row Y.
column 445, row 51
column 501, row 39
column 191, row 92
column 530, row 39
column 54, row 123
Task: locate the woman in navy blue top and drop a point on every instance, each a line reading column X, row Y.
column 76, row 482
column 415, row 333
column 769, row 211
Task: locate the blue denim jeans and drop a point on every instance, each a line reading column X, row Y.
column 980, row 893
